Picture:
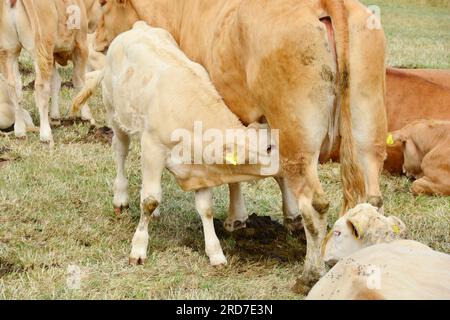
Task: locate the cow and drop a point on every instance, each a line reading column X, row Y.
column 314, row 69
column 52, row 31
column 7, row 109
column 152, row 90
column 426, row 145
column 374, row 262
column 399, row 270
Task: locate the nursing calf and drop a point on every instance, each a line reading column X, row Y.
column 152, row 90
column 426, row 148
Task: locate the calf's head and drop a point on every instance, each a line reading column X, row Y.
column 117, row 16
column 361, row 227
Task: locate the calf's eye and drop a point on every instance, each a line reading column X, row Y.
column 336, row 233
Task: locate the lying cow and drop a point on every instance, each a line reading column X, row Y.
column 52, row 31
column 426, row 145
column 151, row 89
column 374, row 263
column 7, row 109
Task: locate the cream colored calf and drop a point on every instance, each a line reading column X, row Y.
column 374, row 263
column 152, row 90
column 399, row 270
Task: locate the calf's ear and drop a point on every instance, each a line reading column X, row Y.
column 397, row 226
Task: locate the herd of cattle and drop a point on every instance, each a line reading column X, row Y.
column 312, row 69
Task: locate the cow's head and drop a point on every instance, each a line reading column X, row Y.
column 361, row 227
column 117, row 16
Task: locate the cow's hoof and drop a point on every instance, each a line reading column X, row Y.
column 118, row 210
column 149, row 205
column 320, row 204
column 137, row 261
column 294, row 224
column 304, row 284
column 218, row 260
column 234, row 225
column 376, row 201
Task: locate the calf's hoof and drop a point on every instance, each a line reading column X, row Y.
column 137, row 261
column 149, row 205
column 55, row 122
column 294, row 225
column 234, row 225
column 320, row 204
column 218, row 260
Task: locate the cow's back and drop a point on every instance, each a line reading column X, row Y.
column 410, row 98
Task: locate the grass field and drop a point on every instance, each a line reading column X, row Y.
column 56, row 211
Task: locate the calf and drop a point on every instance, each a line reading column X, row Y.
column 374, row 263
column 399, row 270
column 151, row 89
column 426, row 145
column 52, row 31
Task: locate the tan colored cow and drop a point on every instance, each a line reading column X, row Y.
column 152, row 90
column 426, row 148
column 315, row 69
column 52, row 31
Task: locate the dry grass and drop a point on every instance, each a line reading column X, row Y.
column 55, row 207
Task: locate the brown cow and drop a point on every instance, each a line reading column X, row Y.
column 315, row 69
column 427, row 155
column 414, row 95
column 52, row 31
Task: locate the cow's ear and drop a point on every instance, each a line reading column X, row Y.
column 358, row 220
column 356, row 229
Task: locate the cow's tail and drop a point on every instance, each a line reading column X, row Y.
column 94, row 80
column 351, row 174
column 43, row 45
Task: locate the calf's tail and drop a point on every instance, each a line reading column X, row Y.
column 94, row 80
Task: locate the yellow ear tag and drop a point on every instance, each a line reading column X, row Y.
column 396, row 229
column 390, row 140
column 232, row 159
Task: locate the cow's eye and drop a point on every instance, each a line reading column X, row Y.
column 336, row 233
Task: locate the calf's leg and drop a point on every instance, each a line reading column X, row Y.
column 153, row 164
column 292, row 217
column 203, row 203
column 121, row 147
column 42, row 96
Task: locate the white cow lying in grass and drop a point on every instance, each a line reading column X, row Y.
column 7, row 109
column 151, row 89
column 374, row 264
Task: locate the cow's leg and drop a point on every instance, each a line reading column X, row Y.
column 80, row 58
column 237, row 213
column 42, row 88
column 10, row 68
column 121, row 147
column 292, row 216
column 367, row 87
column 203, row 203
column 56, row 88
column 153, row 163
